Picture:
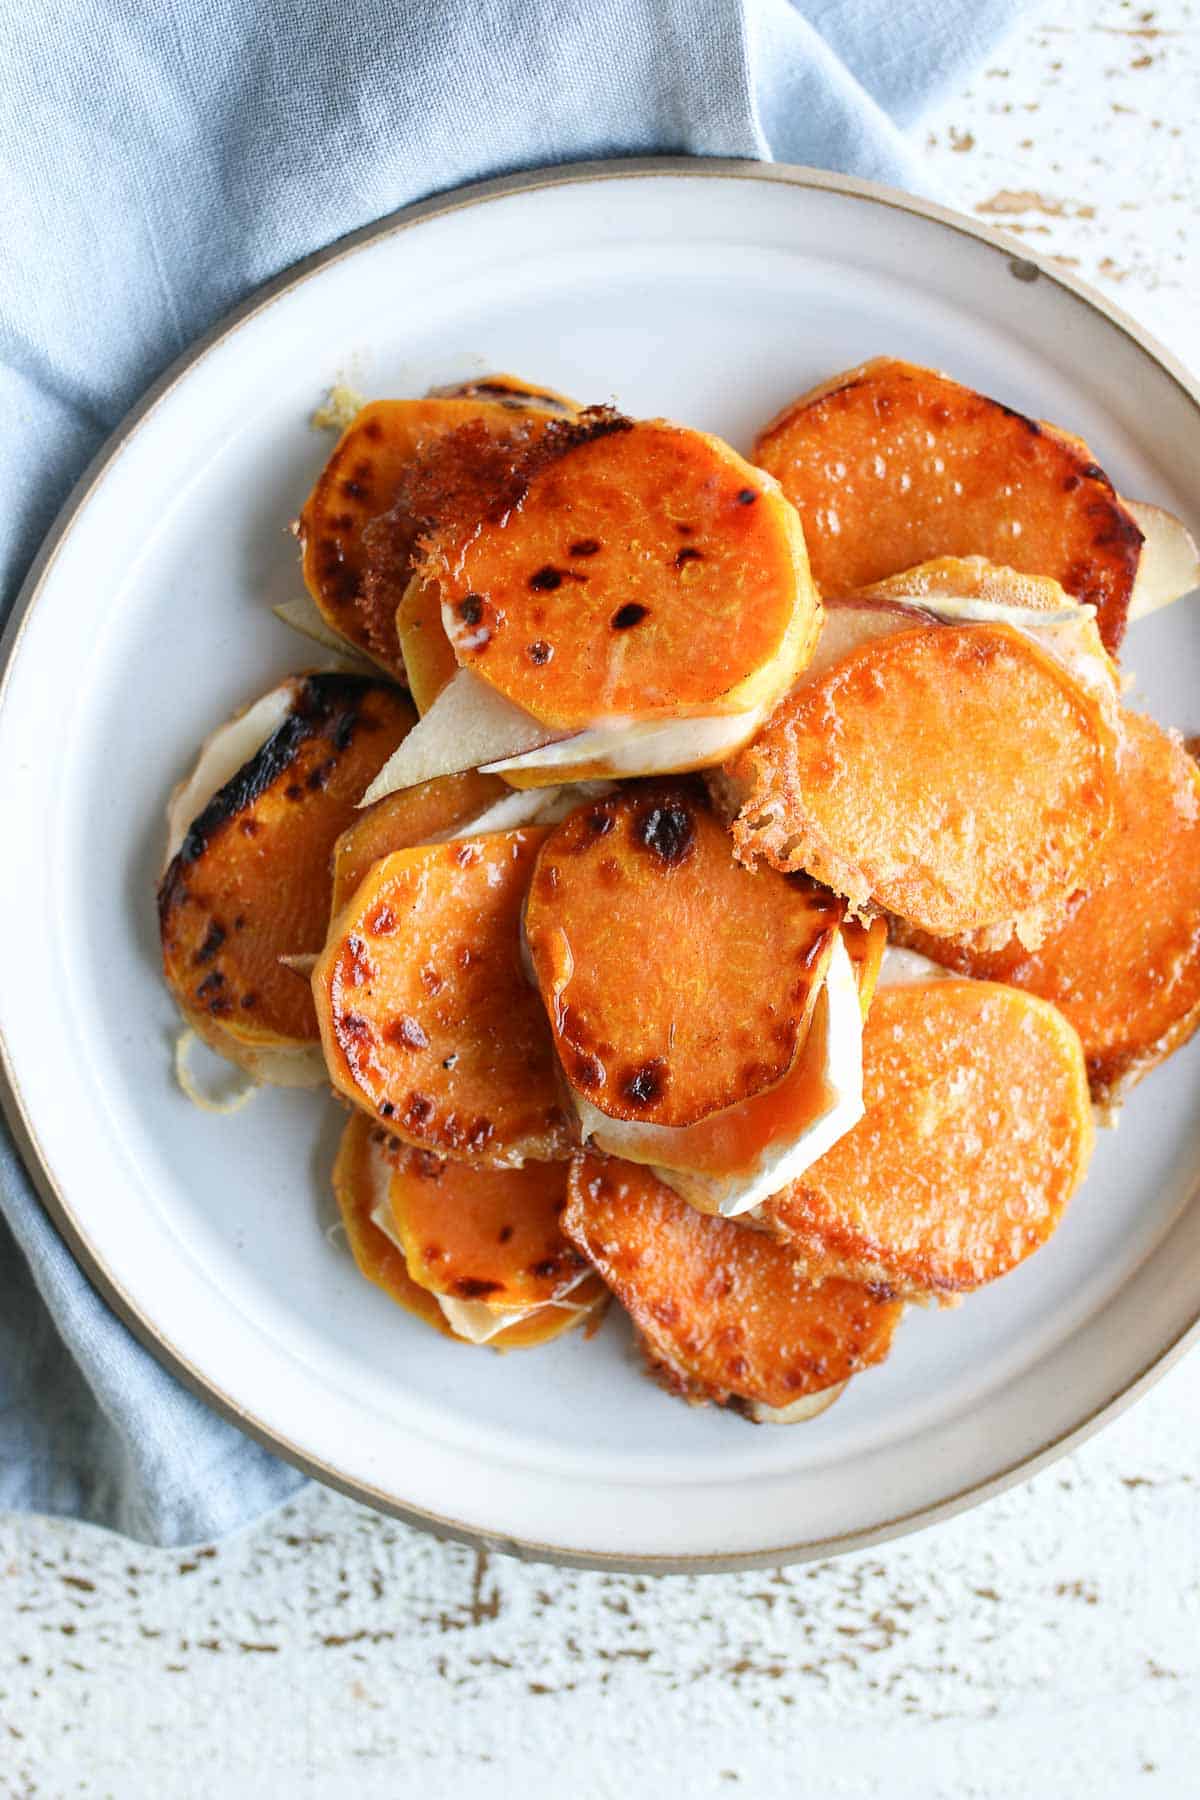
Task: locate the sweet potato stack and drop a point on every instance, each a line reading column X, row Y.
column 640, row 1037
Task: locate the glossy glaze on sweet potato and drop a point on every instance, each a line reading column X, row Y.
column 1125, row 965
column 891, row 465
column 404, row 819
column 977, row 1132
column 251, row 881
column 361, row 482
column 677, row 982
column 722, row 1310
column 955, row 776
column 628, row 570
column 426, row 1017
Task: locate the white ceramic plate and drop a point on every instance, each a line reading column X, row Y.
column 710, row 293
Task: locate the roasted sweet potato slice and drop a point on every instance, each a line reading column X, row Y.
column 474, row 1233
column 364, row 1178
column 407, row 818
column 360, row 482
column 632, row 571
column 977, row 1132
column 426, row 1017
column 956, row 776
column 723, row 1312
column 1125, row 965
column 677, row 982
column 249, row 881
column 890, row 465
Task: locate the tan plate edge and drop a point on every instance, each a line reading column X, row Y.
column 1023, row 267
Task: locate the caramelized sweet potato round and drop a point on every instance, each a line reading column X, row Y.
column 477, row 1233
column 363, row 1178
column 425, row 1014
column 977, row 1132
column 891, row 464
column 633, row 570
column 722, row 1310
column 360, row 482
column 677, row 982
column 1125, row 965
column 956, row 776
column 406, row 818
column 251, row 881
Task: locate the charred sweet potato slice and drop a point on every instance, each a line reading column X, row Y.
column 677, row 982
column 425, row 1014
column 977, row 1132
column 361, row 481
column 631, row 570
column 511, row 391
column 363, row 1180
column 723, row 1312
column 409, row 817
column 956, row 776
column 1125, row 965
column 476, row 1233
column 891, row 465
column 251, row 879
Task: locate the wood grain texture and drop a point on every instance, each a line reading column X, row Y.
column 1047, row 1644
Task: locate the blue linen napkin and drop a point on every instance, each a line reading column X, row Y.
column 158, row 163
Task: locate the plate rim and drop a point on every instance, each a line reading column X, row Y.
column 1022, row 266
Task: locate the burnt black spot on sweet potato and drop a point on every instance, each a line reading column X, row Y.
column 645, row 1085
column 214, row 937
column 667, row 829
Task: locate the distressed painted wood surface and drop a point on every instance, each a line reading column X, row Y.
column 1047, row 1644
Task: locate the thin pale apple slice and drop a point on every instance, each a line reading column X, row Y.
column 618, row 749
column 1169, row 565
column 224, row 751
column 303, row 615
column 429, row 660
column 469, row 726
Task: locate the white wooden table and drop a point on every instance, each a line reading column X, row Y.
column 1047, row 1644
